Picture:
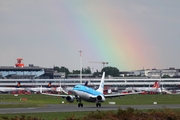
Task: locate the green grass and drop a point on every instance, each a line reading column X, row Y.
column 36, row 100
column 147, row 99
column 32, row 100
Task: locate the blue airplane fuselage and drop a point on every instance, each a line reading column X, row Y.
column 86, row 93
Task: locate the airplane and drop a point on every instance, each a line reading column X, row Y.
column 154, row 88
column 37, row 89
column 82, row 92
column 11, row 89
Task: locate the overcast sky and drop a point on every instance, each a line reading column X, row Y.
column 128, row 34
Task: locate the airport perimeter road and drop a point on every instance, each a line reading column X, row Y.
column 71, row 108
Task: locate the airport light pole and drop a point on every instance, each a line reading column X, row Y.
column 80, row 66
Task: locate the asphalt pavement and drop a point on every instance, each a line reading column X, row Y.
column 73, row 108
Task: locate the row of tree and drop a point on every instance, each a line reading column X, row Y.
column 112, row 71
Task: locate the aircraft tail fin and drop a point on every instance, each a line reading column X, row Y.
column 156, row 84
column 41, row 89
column 18, row 85
column 86, row 83
column 101, row 86
column 49, row 85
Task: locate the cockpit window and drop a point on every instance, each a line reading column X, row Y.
column 76, row 87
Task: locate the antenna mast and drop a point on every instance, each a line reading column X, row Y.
column 80, row 66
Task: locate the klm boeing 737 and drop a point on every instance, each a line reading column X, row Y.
column 82, row 92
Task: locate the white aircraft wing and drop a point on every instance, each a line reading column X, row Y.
column 58, row 95
column 120, row 94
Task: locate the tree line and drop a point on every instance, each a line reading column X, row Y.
column 112, row 71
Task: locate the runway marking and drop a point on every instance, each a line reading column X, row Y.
column 15, row 108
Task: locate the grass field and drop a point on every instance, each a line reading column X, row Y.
column 36, row 100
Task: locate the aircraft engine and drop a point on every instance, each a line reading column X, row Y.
column 100, row 98
column 70, row 99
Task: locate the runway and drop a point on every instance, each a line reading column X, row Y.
column 72, row 108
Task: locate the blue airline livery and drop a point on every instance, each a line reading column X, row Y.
column 82, row 92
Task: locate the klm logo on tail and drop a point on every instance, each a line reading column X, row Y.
column 18, row 85
column 156, row 84
column 49, row 85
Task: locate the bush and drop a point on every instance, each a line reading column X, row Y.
column 132, row 114
column 120, row 114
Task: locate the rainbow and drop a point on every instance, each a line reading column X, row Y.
column 107, row 35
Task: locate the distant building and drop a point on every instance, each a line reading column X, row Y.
column 78, row 76
column 126, row 73
column 59, row 75
column 171, row 72
column 152, row 73
column 19, row 71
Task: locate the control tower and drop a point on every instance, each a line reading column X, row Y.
column 19, row 64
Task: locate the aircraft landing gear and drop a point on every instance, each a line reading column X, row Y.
column 80, row 105
column 98, row 104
